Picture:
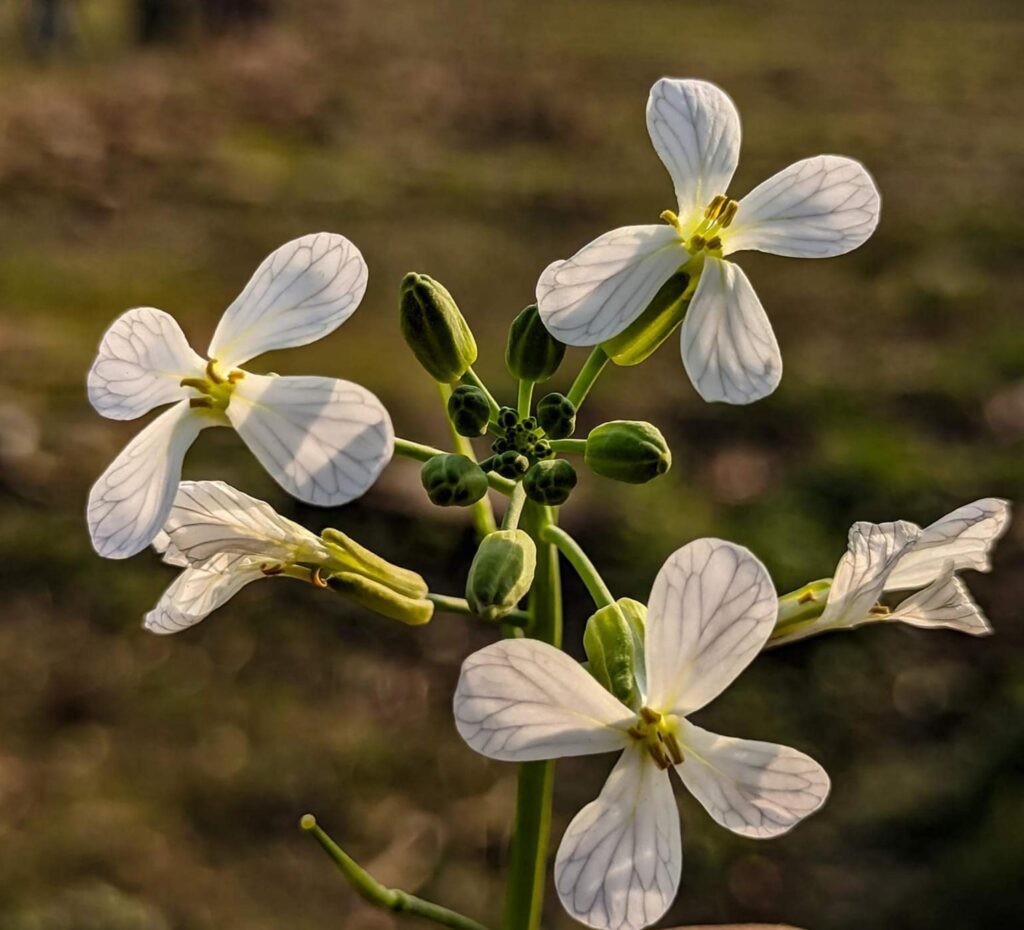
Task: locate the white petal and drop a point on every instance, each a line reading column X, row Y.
column 171, row 555
column 619, row 863
column 755, row 789
column 140, row 364
column 711, row 610
column 300, row 293
column 966, row 536
column 129, row 503
column 211, row 517
column 200, row 590
column 946, row 602
column 695, row 129
column 323, row 440
column 872, row 553
column 607, row 284
column 520, row 700
column 729, row 348
column 815, row 208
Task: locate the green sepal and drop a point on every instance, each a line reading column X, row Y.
column 347, row 556
column 550, row 482
column 382, row 599
column 532, row 353
column 453, row 480
column 632, row 451
column 556, row 415
column 638, row 341
column 501, row 573
column 610, row 645
column 435, row 329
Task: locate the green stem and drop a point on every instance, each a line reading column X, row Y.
column 515, row 508
column 589, row 373
column 459, row 605
column 471, row 377
column 525, row 399
column 418, row 452
column 575, row 446
column 371, row 890
column 581, row 562
column 524, row 894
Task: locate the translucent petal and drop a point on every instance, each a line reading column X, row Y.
column 946, row 602
column 323, row 440
column 619, row 863
column 815, row 208
column 520, row 700
column 755, row 789
column 965, row 536
column 211, row 517
column 729, row 348
column 695, row 129
column 300, row 293
column 873, row 551
column 607, row 284
column 711, row 610
column 130, row 502
column 141, row 361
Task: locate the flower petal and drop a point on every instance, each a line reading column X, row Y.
column 300, row 293
column 323, row 440
column 711, row 610
column 729, row 349
column 520, row 700
column 695, row 129
column 200, row 590
column 211, row 517
column 129, row 503
column 966, row 536
column 619, row 863
column 946, row 602
column 607, row 284
column 816, row 208
column 141, row 361
column 860, row 578
column 755, row 789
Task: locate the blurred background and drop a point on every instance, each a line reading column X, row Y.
column 154, row 152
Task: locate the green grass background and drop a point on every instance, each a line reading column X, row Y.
column 150, row 784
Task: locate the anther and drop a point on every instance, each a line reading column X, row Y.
column 236, row 375
column 196, row 402
column 806, row 598
column 649, row 716
column 697, row 243
column 728, row 213
column 198, row 383
column 880, row 610
column 211, row 372
column 713, row 244
column 667, row 216
column 317, row 578
column 271, row 569
column 715, row 207
column 674, row 749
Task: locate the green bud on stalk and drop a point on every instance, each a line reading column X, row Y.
column 501, row 573
column 452, row 480
column 532, row 353
column 435, row 329
column 638, row 341
column 511, row 464
column 627, row 450
column 468, row 410
column 550, row 482
column 556, row 415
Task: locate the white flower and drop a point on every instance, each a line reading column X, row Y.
column 711, row 610
column 900, row 556
column 816, row 208
column 324, row 440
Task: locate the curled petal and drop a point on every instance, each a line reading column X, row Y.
column 711, row 610
column 300, row 293
column 607, row 284
column 816, row 208
column 755, row 789
column 141, row 361
column 729, row 349
column 619, row 863
column 130, row 502
column 520, row 700
column 323, row 440
column 695, row 129
column 946, row 602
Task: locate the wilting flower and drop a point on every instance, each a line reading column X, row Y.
column 888, row 557
column 711, row 610
column 324, row 440
column 224, row 539
column 815, row 208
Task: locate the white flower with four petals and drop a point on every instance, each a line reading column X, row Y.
column 323, row 440
column 711, row 611
column 815, row 208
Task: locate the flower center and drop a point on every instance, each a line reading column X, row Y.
column 706, row 235
column 657, row 733
column 215, row 390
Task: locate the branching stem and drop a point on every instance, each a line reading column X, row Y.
column 581, row 562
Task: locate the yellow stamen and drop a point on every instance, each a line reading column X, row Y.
column 317, row 578
column 211, row 372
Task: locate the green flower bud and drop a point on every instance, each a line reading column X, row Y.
column 556, row 415
column 541, row 449
column 511, row 464
column 532, row 353
column 436, row 331
column 627, row 450
column 550, row 482
column 501, row 573
column 452, row 480
column 508, row 418
column 611, row 646
column 469, row 410
column 663, row 314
